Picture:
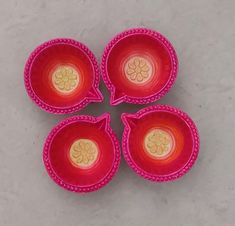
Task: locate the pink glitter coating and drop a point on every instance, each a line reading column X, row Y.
column 178, row 113
column 96, row 94
column 138, row 100
column 117, row 157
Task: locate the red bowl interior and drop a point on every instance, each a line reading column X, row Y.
column 47, row 61
column 183, row 147
column 59, row 154
column 145, row 46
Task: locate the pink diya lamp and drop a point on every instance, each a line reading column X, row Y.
column 82, row 153
column 62, row 76
column 160, row 143
column 139, row 66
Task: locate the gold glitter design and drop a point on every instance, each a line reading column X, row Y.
column 158, row 143
column 83, row 153
column 138, row 70
column 65, row 79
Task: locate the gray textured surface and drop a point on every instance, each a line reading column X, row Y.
column 204, row 37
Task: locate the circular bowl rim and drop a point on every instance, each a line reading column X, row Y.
column 156, row 108
column 117, row 153
column 96, row 94
column 139, row 100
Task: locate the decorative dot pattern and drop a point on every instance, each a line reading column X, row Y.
column 185, row 168
column 33, row 95
column 158, row 37
column 108, row 130
column 84, row 152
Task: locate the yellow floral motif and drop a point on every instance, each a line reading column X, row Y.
column 138, row 70
column 65, row 79
column 158, row 143
column 83, row 152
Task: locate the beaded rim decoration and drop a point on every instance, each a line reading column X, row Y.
column 93, row 96
column 104, row 121
column 125, row 142
column 138, row 100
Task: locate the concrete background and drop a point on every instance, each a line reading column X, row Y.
column 204, row 36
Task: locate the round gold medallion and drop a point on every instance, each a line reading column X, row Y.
column 65, row 79
column 83, row 153
column 158, row 143
column 138, row 70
